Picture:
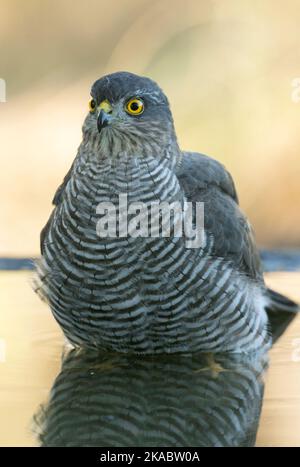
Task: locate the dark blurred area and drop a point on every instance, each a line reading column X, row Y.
column 118, row 400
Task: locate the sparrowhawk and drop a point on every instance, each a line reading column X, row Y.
column 150, row 294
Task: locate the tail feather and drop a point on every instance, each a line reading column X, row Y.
column 281, row 312
column 278, row 302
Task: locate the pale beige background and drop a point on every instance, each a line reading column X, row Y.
column 227, row 67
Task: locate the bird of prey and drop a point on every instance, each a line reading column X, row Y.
column 150, row 294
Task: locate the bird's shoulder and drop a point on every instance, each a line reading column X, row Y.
column 206, row 180
column 57, row 199
column 198, row 172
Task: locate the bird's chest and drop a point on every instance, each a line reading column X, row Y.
column 109, row 223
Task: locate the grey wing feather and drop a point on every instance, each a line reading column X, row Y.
column 56, row 201
column 206, row 180
column 60, row 190
column 44, row 232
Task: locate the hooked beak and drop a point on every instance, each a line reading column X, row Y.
column 103, row 120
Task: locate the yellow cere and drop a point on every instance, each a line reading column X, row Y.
column 104, row 105
column 135, row 106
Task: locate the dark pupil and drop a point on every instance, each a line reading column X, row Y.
column 93, row 103
column 134, row 106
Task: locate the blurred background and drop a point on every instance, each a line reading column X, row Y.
column 228, row 68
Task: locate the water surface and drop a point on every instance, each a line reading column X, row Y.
column 50, row 396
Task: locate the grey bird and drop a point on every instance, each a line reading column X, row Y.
column 150, row 294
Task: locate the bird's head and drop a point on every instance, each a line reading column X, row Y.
column 128, row 113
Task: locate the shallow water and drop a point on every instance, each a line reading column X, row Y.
column 108, row 400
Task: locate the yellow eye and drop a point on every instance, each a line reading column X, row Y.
column 92, row 105
column 135, row 106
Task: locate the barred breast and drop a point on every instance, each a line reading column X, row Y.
column 142, row 295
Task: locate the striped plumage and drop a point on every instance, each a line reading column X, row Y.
column 165, row 401
column 150, row 295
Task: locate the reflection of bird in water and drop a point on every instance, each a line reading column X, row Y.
column 101, row 399
column 109, row 400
